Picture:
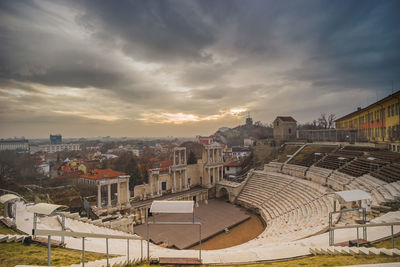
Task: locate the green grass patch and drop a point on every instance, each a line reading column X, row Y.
column 388, row 243
column 310, row 150
column 7, row 231
column 12, row 254
column 288, row 150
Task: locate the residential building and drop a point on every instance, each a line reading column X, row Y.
column 58, row 148
column 378, row 122
column 232, row 166
column 14, row 144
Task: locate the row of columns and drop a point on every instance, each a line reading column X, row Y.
column 108, row 183
column 182, row 184
column 214, row 154
column 212, row 171
column 179, row 156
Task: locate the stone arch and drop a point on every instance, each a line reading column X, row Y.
column 223, row 193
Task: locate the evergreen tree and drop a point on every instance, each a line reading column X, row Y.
column 192, row 158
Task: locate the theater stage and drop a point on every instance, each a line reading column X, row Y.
column 215, row 217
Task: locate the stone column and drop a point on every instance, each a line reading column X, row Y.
column 109, row 195
column 151, row 184
column 180, row 181
column 128, row 192
column 99, row 195
column 184, row 159
column 186, row 180
column 208, row 155
column 158, row 186
column 118, row 192
column 214, row 176
column 209, row 177
column 174, row 183
column 174, row 157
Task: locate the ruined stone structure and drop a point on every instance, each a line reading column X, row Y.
column 123, row 193
column 182, row 177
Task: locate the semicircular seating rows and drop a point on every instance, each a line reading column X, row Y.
column 292, row 208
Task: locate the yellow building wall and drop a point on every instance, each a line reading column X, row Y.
column 378, row 126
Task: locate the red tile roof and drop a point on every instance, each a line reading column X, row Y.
column 98, row 174
column 286, row 118
column 230, row 162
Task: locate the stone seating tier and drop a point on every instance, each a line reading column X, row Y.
column 389, row 173
column 361, row 166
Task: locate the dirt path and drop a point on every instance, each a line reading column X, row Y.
column 237, row 235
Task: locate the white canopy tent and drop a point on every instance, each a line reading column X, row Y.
column 162, row 206
column 8, row 197
column 354, row 195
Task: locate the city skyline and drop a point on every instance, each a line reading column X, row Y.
column 183, row 68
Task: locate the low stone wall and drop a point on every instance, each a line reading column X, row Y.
column 273, row 167
column 338, row 180
column 318, row 175
column 294, row 170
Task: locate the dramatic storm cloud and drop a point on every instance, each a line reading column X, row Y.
column 157, row 68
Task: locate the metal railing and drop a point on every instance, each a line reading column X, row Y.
column 365, row 226
column 49, row 233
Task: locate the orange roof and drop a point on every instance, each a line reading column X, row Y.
column 98, row 174
column 230, row 162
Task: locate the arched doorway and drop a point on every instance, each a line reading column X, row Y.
column 223, row 194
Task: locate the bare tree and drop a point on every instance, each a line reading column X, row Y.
column 322, row 121
column 331, row 120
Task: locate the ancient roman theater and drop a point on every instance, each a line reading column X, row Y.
column 312, row 199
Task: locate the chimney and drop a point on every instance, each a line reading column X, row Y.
column 359, row 108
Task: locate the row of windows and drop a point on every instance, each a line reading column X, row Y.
column 392, row 110
column 383, row 132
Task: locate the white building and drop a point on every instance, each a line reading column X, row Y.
column 14, row 144
column 59, row 147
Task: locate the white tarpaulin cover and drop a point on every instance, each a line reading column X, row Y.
column 353, row 195
column 45, row 208
column 165, row 206
column 8, row 197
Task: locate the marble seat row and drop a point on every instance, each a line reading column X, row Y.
column 306, row 220
column 298, row 209
column 260, row 187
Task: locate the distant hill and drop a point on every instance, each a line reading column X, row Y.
column 235, row 136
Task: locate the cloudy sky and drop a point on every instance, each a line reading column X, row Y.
column 181, row 68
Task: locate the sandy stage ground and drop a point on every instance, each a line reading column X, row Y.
column 239, row 234
column 215, row 217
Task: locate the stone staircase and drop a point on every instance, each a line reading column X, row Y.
column 332, row 250
column 117, row 261
column 11, row 238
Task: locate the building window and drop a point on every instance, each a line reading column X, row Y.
column 189, row 181
column 388, row 111
column 290, row 131
column 163, row 185
column 397, row 109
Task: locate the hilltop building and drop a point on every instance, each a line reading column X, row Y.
column 285, row 128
